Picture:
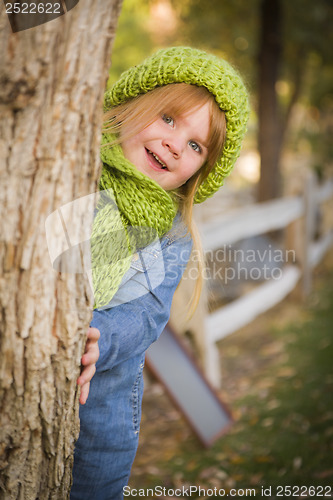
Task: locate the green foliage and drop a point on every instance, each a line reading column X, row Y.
column 133, row 40
column 307, row 27
column 308, row 55
column 232, row 30
column 308, row 39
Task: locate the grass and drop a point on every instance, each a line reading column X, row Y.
column 278, row 380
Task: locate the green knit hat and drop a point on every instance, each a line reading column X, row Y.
column 193, row 66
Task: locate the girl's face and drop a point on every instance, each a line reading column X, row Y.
column 171, row 150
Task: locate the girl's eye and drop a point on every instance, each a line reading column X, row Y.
column 195, row 146
column 168, row 119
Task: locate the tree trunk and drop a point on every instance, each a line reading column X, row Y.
column 270, row 132
column 52, row 79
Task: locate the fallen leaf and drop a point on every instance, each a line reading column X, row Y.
column 297, row 463
column 286, row 371
column 237, row 459
column 264, row 459
column 323, row 474
column 256, row 479
column 267, row 422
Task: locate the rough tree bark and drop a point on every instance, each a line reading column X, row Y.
column 52, row 79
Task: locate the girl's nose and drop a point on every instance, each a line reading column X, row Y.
column 174, row 145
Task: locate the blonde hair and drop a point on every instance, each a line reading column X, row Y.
column 174, row 99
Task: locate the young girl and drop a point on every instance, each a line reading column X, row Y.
column 174, row 126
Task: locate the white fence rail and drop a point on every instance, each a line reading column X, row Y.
column 252, row 221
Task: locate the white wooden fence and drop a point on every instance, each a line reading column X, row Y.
column 295, row 214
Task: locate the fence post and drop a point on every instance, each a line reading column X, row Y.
column 212, row 363
column 295, row 242
column 193, row 328
column 310, row 187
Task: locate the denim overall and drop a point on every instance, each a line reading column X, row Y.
column 136, row 316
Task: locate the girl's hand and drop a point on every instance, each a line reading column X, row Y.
column 88, row 363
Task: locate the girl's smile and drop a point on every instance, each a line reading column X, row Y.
column 171, row 149
column 155, row 161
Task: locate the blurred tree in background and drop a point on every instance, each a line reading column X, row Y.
column 283, row 51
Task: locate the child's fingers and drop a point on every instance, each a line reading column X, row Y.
column 91, row 355
column 93, row 334
column 84, row 393
column 88, row 363
column 87, row 374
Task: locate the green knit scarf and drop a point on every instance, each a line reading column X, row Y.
column 132, row 211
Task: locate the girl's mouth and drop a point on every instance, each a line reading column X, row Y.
column 156, row 161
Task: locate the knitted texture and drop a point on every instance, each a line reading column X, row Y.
column 193, row 66
column 133, row 210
